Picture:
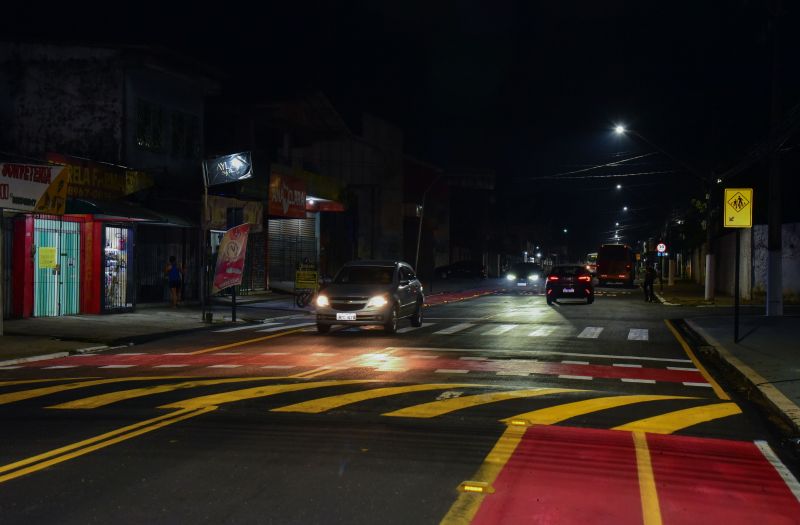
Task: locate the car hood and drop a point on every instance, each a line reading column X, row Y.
column 357, row 290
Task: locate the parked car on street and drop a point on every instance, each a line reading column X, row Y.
column 461, row 269
column 371, row 293
column 524, row 277
column 571, row 281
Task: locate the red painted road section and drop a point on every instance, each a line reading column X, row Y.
column 449, row 297
column 384, row 363
column 577, row 476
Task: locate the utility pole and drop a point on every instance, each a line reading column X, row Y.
column 774, row 243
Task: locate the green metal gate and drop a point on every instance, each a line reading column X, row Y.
column 56, row 291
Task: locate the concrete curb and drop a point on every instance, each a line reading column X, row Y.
column 756, row 386
column 55, row 355
column 664, row 301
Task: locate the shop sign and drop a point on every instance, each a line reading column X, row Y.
column 23, row 185
column 287, row 196
column 230, row 258
column 229, row 168
column 47, row 257
column 99, row 181
column 217, row 218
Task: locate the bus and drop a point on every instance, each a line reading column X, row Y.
column 616, row 263
column 591, row 263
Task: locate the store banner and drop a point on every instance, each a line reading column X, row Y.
column 230, row 258
column 217, row 218
column 23, row 185
column 230, row 168
column 100, row 181
column 287, row 196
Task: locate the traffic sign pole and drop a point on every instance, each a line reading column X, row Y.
column 738, row 214
column 736, row 288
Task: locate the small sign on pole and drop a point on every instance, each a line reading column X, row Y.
column 738, row 214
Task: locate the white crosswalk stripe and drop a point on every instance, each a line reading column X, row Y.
column 455, row 328
column 412, row 328
column 638, row 334
column 591, row 332
column 542, row 331
column 503, row 328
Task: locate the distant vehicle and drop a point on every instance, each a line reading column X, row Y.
column 571, row 281
column 371, row 293
column 616, row 263
column 591, row 263
column 524, row 277
column 462, row 269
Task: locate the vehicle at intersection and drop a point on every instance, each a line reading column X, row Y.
column 616, row 264
column 371, row 293
column 524, row 277
column 461, row 269
column 571, row 281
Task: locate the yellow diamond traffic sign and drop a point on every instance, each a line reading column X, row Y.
column 738, row 208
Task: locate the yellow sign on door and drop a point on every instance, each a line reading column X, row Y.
column 738, row 208
column 47, row 257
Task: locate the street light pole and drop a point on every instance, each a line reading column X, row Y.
column 421, row 218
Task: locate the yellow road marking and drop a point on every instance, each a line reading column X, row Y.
column 680, row 419
column 113, row 397
column 59, row 455
column 697, row 364
column 323, row 404
column 342, row 365
column 53, row 380
column 468, row 503
column 445, row 406
column 46, row 391
column 245, row 342
column 552, row 415
column 651, row 512
column 260, row 391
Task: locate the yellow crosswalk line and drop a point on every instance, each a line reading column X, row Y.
column 121, row 395
column 315, row 406
column 256, row 392
column 437, row 408
column 680, row 419
column 555, row 414
column 13, row 397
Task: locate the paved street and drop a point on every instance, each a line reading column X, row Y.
column 498, row 409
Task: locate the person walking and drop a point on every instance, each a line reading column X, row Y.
column 175, row 279
column 649, row 280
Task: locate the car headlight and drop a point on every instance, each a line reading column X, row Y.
column 377, row 301
column 533, row 277
column 511, row 277
column 322, row 300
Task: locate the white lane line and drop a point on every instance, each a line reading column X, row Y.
column 412, row 328
column 224, row 366
column 783, row 472
column 246, row 327
column 520, row 374
column 170, row 366
column 683, row 368
column 455, row 328
column 285, row 327
column 588, row 378
column 279, row 367
column 58, row 367
column 638, row 334
column 177, row 353
column 228, row 353
column 626, row 365
column 591, row 332
column 9, row 367
column 536, row 352
column 696, row 384
column 648, row 381
column 322, row 354
column 275, row 353
column 503, row 328
column 117, row 366
column 131, row 353
column 542, row 331
column 473, row 358
column 575, row 362
column 423, row 357
column 450, row 371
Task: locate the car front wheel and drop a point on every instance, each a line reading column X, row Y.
column 391, row 325
column 416, row 319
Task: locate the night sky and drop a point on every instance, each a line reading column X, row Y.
column 528, row 89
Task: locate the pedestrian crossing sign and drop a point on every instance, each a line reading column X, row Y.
column 738, row 208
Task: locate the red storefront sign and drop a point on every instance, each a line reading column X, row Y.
column 287, row 196
column 230, row 258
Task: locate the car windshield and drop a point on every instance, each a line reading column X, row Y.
column 365, row 275
column 525, row 269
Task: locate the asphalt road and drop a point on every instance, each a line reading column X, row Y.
column 500, row 409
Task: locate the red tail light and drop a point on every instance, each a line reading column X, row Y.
column 552, row 278
column 584, row 278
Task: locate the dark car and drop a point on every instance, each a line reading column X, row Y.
column 524, row 277
column 569, row 282
column 463, row 269
column 371, row 293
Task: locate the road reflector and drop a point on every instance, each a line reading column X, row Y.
column 519, row 423
column 478, row 487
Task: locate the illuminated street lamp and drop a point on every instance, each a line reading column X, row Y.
column 624, row 208
column 565, row 230
column 619, row 130
column 616, row 224
column 619, row 186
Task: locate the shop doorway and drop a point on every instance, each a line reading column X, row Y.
column 118, row 286
column 56, row 286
